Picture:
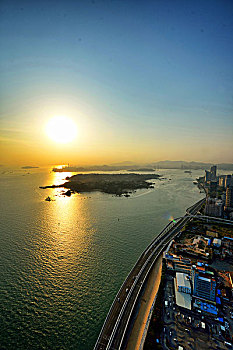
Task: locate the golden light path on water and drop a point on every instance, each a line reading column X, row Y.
column 63, row 249
column 71, row 216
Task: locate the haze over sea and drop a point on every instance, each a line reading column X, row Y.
column 62, row 262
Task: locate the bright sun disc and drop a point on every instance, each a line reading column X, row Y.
column 61, row 129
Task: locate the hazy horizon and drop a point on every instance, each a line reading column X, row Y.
column 126, row 163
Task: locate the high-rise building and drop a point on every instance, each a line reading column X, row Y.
column 231, row 182
column 214, row 207
column 207, row 176
column 213, row 186
column 229, row 197
column 213, row 171
column 227, row 181
column 221, row 180
column 203, row 282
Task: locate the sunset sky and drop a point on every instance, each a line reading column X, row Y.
column 140, row 80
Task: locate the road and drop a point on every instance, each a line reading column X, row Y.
column 119, row 316
column 140, row 321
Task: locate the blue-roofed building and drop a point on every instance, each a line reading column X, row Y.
column 217, row 242
column 205, row 307
column 204, row 283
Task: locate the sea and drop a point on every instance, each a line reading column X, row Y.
column 62, row 262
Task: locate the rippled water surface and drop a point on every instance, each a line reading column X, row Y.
column 63, row 261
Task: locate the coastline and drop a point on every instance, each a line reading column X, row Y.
column 115, row 184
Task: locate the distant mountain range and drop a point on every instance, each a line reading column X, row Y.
column 130, row 166
column 171, row 164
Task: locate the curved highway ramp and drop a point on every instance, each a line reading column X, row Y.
column 114, row 330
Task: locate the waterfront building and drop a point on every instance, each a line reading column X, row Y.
column 196, row 246
column 183, row 290
column 214, row 207
column 207, row 176
column 213, row 186
column 177, row 263
column 227, row 180
column 183, row 283
column 203, row 282
column 221, row 181
column 229, row 198
column 184, row 268
column 213, row 171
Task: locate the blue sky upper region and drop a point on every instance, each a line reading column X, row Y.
column 142, row 80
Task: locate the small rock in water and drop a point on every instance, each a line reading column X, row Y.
column 68, row 193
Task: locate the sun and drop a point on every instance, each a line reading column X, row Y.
column 61, row 129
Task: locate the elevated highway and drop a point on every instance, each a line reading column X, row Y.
column 119, row 316
column 212, row 219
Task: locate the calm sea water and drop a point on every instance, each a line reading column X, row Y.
column 62, row 262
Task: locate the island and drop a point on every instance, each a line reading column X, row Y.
column 141, row 170
column 29, row 167
column 115, row 184
column 96, row 168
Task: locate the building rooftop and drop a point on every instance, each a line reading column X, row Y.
column 183, row 299
column 228, row 238
column 182, row 279
column 207, row 307
column 217, row 241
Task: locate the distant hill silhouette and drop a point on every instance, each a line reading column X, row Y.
column 170, row 164
column 29, row 167
column 130, row 166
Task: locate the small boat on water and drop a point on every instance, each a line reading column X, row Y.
column 48, row 199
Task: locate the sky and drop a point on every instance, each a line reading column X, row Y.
column 142, row 80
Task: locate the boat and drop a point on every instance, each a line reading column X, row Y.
column 48, row 199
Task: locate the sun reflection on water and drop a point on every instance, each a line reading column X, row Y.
column 59, row 178
column 69, row 228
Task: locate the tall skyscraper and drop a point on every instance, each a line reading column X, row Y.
column 229, row 197
column 213, row 171
column 213, row 207
column 207, row 176
column 221, row 181
column 213, row 186
column 227, row 181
